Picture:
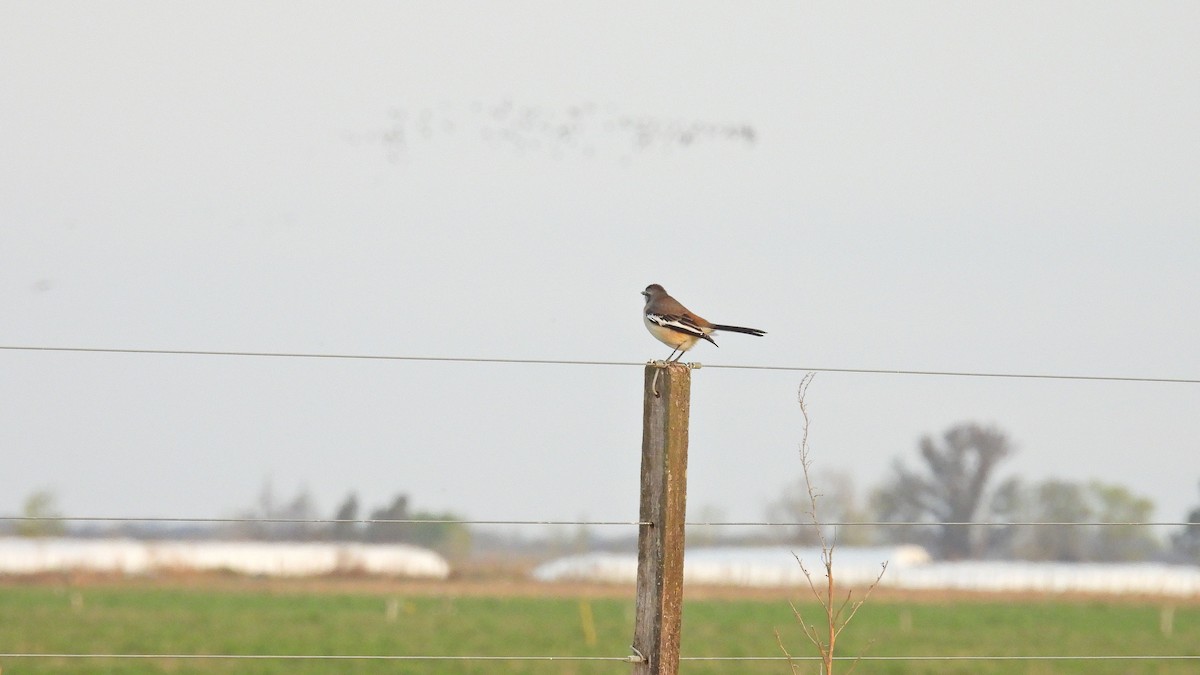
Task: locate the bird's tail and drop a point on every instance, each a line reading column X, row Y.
column 739, row 329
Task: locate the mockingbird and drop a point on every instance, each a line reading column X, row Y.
column 677, row 327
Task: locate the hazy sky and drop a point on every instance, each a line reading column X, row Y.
column 1002, row 187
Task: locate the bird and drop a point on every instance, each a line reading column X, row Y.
column 677, row 327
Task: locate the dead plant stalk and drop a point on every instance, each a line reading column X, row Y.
column 837, row 615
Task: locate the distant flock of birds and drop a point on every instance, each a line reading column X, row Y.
column 585, row 129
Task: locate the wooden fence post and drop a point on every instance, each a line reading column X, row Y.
column 667, row 400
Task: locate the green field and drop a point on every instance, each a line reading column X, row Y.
column 254, row 619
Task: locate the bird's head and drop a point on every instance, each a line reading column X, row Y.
column 653, row 289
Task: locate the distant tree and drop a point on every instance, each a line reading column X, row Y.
column 839, row 503
column 397, row 510
column 1186, row 542
column 448, row 537
column 1116, row 504
column 950, row 489
column 1060, row 501
column 40, row 504
column 247, row 528
column 302, row 507
column 1004, row 505
column 1051, row 501
column 266, row 501
column 343, row 531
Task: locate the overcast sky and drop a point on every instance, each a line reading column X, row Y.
column 1001, row 187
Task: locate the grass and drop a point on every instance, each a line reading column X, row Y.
column 224, row 618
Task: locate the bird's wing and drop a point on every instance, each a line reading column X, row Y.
column 684, row 323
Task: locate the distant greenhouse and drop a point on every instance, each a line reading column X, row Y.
column 285, row 559
column 909, row 567
column 738, row 566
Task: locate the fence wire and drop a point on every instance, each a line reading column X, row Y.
column 577, row 362
column 626, row 659
column 455, row 521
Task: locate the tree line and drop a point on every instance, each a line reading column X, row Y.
column 954, row 487
column 292, row 520
column 953, row 495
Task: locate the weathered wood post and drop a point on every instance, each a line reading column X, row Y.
column 664, row 499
